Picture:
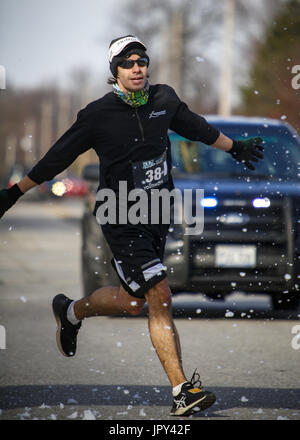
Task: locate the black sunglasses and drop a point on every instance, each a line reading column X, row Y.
column 128, row 64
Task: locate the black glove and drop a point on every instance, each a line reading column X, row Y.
column 8, row 198
column 246, row 151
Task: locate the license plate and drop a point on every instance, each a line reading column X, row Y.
column 235, row 255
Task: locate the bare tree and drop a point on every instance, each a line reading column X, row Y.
column 186, row 39
column 178, row 31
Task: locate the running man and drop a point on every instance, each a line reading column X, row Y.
column 128, row 129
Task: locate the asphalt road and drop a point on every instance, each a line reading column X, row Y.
column 245, row 352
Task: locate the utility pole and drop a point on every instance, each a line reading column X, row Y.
column 10, row 152
column 64, row 112
column 46, row 126
column 177, row 51
column 171, row 61
column 164, row 60
column 225, row 96
column 27, row 142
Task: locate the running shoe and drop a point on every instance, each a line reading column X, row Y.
column 192, row 398
column 66, row 334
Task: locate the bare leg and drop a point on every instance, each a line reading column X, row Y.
column 108, row 301
column 178, row 346
column 164, row 336
column 163, row 332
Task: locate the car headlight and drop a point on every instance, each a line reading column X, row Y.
column 58, row 189
column 261, row 202
column 209, row 202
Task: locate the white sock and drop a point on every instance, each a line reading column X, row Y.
column 176, row 390
column 71, row 314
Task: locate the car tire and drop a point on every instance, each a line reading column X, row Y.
column 89, row 281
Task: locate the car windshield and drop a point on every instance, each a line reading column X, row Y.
column 281, row 155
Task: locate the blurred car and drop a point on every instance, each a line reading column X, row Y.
column 251, row 237
column 64, row 187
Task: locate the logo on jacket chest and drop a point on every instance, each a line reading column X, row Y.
column 155, row 114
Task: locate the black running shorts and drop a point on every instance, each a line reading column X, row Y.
column 138, row 252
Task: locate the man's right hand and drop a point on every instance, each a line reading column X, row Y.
column 8, row 198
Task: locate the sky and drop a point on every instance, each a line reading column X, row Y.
column 42, row 40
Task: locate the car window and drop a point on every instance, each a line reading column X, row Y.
column 281, row 155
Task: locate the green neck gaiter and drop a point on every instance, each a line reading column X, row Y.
column 134, row 99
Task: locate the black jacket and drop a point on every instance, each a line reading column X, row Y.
column 122, row 136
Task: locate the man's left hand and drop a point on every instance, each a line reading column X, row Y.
column 247, row 151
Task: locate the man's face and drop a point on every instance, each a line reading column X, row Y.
column 132, row 79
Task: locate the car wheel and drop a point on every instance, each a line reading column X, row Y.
column 89, row 281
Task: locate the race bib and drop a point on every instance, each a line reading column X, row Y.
column 148, row 174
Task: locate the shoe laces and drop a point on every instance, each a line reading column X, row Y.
column 195, row 380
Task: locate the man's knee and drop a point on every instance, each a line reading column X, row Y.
column 133, row 306
column 159, row 294
column 136, row 306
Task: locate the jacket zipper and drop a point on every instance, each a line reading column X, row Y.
column 140, row 124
